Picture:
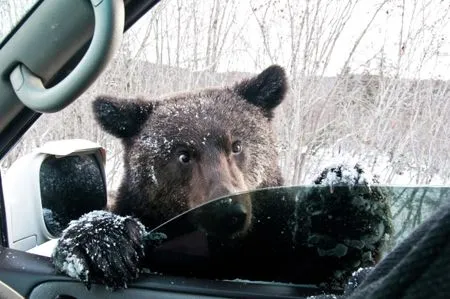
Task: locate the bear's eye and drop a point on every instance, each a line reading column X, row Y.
column 236, row 147
column 184, row 158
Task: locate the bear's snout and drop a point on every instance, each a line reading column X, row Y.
column 226, row 217
column 221, row 190
column 235, row 216
column 215, row 177
column 220, row 181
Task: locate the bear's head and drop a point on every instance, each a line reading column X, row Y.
column 186, row 149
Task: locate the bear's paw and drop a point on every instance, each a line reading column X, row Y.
column 101, row 247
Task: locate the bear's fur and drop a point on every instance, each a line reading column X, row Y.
column 180, row 152
column 225, row 135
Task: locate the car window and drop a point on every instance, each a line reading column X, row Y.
column 198, row 243
column 11, row 12
column 368, row 83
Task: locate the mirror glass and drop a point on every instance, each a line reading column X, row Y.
column 70, row 186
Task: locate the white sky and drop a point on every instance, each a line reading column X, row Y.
column 384, row 34
column 385, row 31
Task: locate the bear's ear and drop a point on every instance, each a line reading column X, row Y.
column 266, row 90
column 121, row 117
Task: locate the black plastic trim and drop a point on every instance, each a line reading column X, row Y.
column 173, row 288
column 24, row 272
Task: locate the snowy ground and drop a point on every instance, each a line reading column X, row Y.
column 378, row 164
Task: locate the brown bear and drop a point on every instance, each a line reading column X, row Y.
column 180, row 152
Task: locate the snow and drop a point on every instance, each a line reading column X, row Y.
column 357, row 278
column 375, row 164
column 153, row 176
column 74, row 267
column 344, row 175
column 351, row 176
column 91, row 216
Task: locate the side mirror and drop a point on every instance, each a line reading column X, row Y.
column 46, row 189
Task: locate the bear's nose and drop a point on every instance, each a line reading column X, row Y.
column 230, row 217
column 224, row 217
column 237, row 215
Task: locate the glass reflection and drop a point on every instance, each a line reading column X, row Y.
column 304, row 234
column 70, row 186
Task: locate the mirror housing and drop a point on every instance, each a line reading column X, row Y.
column 32, row 184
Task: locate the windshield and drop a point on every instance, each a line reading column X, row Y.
column 315, row 226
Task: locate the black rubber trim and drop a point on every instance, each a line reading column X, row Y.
column 16, row 129
column 223, row 288
column 134, row 10
column 3, row 231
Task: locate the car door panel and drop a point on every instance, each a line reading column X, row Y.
column 33, row 276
